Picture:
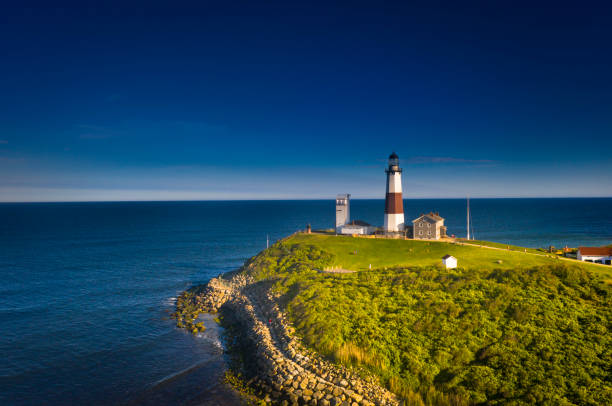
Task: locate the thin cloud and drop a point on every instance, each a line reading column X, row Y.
column 422, row 160
column 447, row 160
column 3, row 142
column 372, row 163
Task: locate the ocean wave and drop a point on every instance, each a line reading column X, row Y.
column 182, row 372
column 213, row 340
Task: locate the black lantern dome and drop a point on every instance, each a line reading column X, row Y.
column 393, row 160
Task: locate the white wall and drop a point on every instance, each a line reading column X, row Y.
column 394, row 222
column 343, row 212
column 359, row 230
column 593, row 258
column 450, row 262
column 395, row 182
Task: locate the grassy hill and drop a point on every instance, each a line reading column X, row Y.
column 357, row 254
column 501, row 246
column 530, row 329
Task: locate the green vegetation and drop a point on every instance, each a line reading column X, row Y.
column 288, row 257
column 358, row 253
column 188, row 310
column 242, row 367
column 248, row 395
column 531, row 329
column 503, row 246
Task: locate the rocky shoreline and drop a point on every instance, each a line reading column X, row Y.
column 282, row 369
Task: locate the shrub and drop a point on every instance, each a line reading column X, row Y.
column 538, row 335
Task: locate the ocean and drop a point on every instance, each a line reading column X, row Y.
column 87, row 288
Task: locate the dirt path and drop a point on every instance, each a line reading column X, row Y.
column 340, row 270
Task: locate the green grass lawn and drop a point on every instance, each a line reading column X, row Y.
column 502, row 246
column 356, row 253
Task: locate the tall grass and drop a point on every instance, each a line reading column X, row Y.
column 350, row 353
column 529, row 330
column 432, row 397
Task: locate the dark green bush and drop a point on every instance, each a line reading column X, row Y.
column 540, row 335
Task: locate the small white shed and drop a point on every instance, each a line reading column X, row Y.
column 449, row 261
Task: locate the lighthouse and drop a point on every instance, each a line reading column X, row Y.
column 394, row 206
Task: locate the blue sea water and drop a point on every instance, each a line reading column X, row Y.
column 86, row 288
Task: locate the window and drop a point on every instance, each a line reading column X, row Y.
column 421, row 232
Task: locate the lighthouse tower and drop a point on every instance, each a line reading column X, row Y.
column 394, row 206
column 343, row 210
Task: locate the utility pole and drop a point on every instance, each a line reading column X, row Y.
column 468, row 218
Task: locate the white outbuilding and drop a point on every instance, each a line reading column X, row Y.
column 356, row 227
column 598, row 255
column 449, row 262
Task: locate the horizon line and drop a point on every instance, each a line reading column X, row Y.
column 294, row 199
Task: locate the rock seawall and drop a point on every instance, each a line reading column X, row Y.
column 286, row 371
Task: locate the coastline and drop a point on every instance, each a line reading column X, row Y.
column 272, row 364
column 185, row 386
column 113, row 358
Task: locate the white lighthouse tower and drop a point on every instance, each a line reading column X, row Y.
column 343, row 210
column 394, row 205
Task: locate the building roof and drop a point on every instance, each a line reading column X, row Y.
column 604, row 251
column 393, row 156
column 448, row 256
column 343, row 196
column 358, row 223
column 431, row 215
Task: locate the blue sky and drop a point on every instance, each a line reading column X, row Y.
column 236, row 100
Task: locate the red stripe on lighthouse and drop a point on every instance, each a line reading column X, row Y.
column 394, row 203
